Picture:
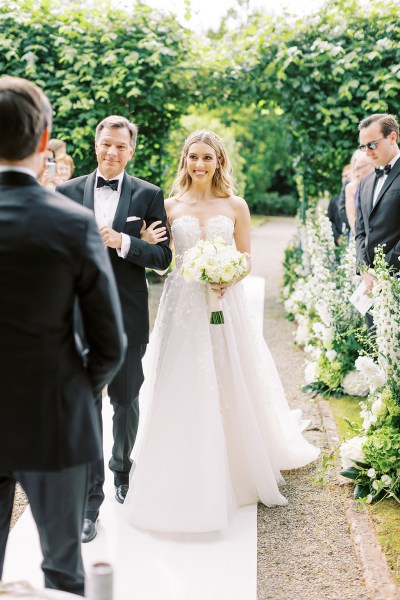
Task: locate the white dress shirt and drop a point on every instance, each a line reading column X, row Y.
column 381, row 180
column 105, row 206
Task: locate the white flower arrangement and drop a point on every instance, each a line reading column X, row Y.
column 372, row 372
column 214, row 262
column 351, row 451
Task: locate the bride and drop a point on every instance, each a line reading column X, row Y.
column 217, row 428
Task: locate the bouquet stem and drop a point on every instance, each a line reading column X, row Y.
column 217, row 316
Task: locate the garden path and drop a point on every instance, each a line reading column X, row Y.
column 304, row 549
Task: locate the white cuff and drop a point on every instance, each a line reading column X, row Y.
column 125, row 245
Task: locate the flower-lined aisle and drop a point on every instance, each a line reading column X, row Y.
column 342, row 357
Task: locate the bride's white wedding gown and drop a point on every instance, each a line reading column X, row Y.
column 217, row 429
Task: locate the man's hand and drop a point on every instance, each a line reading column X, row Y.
column 368, row 280
column 153, row 234
column 111, row 238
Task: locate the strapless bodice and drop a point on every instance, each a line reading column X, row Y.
column 186, row 232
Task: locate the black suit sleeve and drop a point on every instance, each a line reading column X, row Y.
column 100, row 310
column 152, row 256
column 360, row 235
column 392, row 257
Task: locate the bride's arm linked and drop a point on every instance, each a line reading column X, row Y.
column 154, row 234
column 242, row 240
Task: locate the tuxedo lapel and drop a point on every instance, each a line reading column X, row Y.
column 88, row 194
column 389, row 180
column 122, row 211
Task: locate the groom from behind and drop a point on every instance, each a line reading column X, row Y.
column 50, row 252
column 131, row 218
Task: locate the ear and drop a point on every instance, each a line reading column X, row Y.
column 44, row 140
column 133, row 151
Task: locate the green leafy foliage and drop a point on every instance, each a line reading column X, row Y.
column 101, row 62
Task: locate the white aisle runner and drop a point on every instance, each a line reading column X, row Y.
column 208, row 566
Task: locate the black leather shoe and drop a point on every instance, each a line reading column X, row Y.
column 121, row 492
column 89, row 531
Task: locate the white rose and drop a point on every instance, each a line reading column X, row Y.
column 387, row 480
column 371, row 473
column 324, row 314
column 375, row 485
column 302, row 335
column 369, row 499
column 311, row 372
column 351, row 450
column 378, row 408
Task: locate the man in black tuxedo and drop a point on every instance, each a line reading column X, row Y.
column 131, row 217
column 378, row 211
column 50, row 253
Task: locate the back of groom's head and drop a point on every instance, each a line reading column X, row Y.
column 24, row 114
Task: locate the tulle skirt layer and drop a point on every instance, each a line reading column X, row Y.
column 217, row 429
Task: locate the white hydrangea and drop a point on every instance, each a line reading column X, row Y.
column 355, row 384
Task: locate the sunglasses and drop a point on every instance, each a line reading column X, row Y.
column 370, row 145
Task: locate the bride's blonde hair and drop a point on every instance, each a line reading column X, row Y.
column 222, row 184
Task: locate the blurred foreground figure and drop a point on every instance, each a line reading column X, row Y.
column 50, row 253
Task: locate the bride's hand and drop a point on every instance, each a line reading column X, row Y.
column 220, row 288
column 153, row 234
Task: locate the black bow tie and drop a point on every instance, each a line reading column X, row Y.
column 382, row 171
column 101, row 182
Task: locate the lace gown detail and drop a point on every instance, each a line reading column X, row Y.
column 217, row 429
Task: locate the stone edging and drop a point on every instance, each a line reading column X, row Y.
column 379, row 583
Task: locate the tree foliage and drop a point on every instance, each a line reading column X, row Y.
column 101, row 62
column 325, row 72
column 291, row 90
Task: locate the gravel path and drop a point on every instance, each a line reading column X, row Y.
column 304, row 549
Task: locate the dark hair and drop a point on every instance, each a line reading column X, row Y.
column 387, row 122
column 117, row 121
column 24, row 114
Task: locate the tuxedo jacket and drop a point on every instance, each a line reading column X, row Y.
column 379, row 224
column 139, row 200
column 51, row 253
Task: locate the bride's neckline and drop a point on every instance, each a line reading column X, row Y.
column 198, row 220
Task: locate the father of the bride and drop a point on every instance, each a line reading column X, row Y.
column 131, row 218
column 50, row 252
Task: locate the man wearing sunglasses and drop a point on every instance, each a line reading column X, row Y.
column 378, row 211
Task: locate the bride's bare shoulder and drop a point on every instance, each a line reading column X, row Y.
column 171, row 201
column 239, row 205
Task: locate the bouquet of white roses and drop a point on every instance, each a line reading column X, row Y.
column 216, row 262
